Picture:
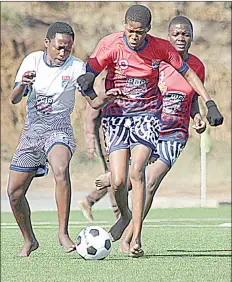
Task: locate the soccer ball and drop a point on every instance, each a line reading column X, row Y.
column 93, row 242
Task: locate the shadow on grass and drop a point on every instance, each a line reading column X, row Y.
column 192, row 253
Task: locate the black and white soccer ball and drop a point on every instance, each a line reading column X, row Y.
column 93, row 242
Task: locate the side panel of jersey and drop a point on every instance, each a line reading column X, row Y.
column 177, row 99
column 136, row 73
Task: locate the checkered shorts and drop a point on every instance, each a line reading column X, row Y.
column 127, row 132
column 31, row 153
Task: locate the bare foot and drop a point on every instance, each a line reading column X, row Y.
column 124, row 247
column 86, row 209
column 67, row 243
column 136, row 251
column 118, row 228
column 103, row 181
column 28, row 248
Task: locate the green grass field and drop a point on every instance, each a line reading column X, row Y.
column 180, row 245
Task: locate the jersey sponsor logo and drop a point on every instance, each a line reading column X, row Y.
column 65, row 80
column 172, row 102
column 135, row 87
column 44, row 103
column 155, row 63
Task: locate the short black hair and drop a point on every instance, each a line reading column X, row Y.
column 139, row 13
column 59, row 27
column 180, row 20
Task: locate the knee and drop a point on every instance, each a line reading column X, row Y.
column 14, row 195
column 136, row 172
column 150, row 188
column 151, row 185
column 61, row 172
column 118, row 184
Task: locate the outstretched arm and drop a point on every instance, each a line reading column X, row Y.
column 214, row 117
column 91, row 115
column 86, row 82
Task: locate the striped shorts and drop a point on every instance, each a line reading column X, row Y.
column 169, row 151
column 127, row 132
column 31, row 153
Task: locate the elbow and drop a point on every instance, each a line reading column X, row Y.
column 14, row 101
column 93, row 105
column 96, row 107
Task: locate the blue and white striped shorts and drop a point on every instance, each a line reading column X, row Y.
column 169, row 151
column 31, row 153
column 127, row 132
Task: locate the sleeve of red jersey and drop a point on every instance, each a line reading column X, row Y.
column 173, row 58
column 99, row 59
column 201, row 73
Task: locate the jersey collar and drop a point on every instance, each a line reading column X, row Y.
column 138, row 50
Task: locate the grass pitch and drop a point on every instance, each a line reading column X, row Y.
column 180, row 245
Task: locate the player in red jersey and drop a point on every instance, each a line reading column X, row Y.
column 179, row 103
column 132, row 59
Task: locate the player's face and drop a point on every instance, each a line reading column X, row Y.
column 58, row 49
column 135, row 34
column 180, row 35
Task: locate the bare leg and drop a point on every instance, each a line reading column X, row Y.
column 155, row 173
column 119, row 167
column 18, row 185
column 139, row 155
column 87, row 203
column 59, row 158
column 113, row 202
column 103, row 180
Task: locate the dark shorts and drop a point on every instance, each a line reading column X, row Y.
column 168, row 151
column 127, row 132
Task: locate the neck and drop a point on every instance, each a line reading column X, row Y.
column 184, row 55
column 48, row 60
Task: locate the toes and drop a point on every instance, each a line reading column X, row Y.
column 69, row 249
column 136, row 251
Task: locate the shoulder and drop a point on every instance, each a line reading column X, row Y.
column 111, row 39
column 75, row 61
column 35, row 55
column 159, row 42
column 194, row 60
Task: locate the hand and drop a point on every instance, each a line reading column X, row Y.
column 28, row 78
column 214, row 117
column 200, row 125
column 113, row 94
column 86, row 81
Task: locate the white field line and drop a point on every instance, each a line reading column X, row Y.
column 102, row 222
column 105, row 223
column 145, row 226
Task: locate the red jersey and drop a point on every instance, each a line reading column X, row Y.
column 177, row 100
column 135, row 72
